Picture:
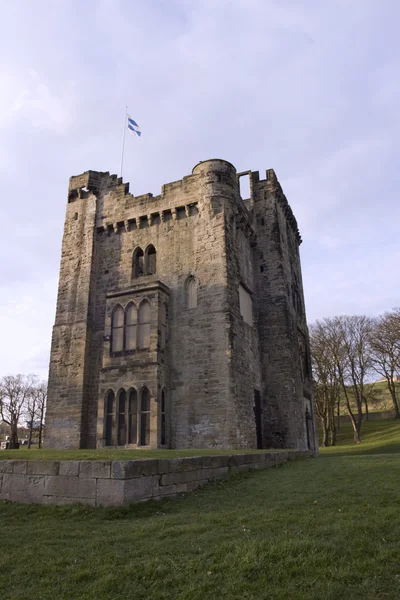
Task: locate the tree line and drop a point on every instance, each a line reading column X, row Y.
column 23, row 397
column 347, row 353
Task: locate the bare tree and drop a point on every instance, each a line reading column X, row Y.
column 326, row 383
column 40, row 395
column 385, row 347
column 346, row 340
column 15, row 390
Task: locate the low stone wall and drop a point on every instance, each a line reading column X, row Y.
column 120, row 482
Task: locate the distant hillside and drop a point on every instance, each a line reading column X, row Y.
column 379, row 398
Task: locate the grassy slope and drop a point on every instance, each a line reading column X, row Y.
column 379, row 400
column 319, row 529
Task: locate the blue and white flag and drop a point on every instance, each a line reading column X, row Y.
column 133, row 126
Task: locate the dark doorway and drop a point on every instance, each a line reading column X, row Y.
column 309, row 429
column 258, row 416
column 132, row 417
column 163, row 419
column 144, row 438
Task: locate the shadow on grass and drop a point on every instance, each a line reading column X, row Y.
column 393, row 448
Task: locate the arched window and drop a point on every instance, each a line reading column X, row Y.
column 130, row 326
column 117, row 332
column 163, row 418
column 138, row 263
column 121, row 418
column 192, row 292
column 144, row 325
column 163, row 325
column 132, row 417
column 109, row 417
column 144, row 437
column 150, row 260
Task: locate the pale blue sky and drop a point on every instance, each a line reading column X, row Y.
column 308, row 88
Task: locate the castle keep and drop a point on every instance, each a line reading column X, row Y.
column 180, row 318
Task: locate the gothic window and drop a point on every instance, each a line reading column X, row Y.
column 121, row 418
column 132, row 417
column 138, row 263
column 163, row 418
column 150, row 260
column 144, row 436
column 109, row 417
column 144, row 325
column 117, row 329
column 192, row 292
column 130, row 326
column 163, row 325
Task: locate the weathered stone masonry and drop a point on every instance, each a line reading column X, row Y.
column 119, row 482
column 180, row 318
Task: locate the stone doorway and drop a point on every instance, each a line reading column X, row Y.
column 258, row 417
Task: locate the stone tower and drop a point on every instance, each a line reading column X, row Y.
column 180, row 318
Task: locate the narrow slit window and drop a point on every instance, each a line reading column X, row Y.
column 192, row 292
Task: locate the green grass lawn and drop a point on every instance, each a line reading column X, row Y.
column 107, row 454
column 313, row 529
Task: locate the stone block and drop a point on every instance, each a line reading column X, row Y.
column 43, row 467
column 70, row 487
column 175, row 464
column 236, row 459
column 164, row 465
column 60, row 500
column 206, row 461
column 110, row 492
column 22, row 488
column 69, row 467
column 217, row 472
column 6, row 466
column 219, row 461
column 168, row 490
column 130, row 469
column 140, row 488
column 181, row 488
column 95, row 468
column 180, row 477
column 193, row 463
column 167, row 479
column 20, row 466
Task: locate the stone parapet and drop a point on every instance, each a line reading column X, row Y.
column 122, row 482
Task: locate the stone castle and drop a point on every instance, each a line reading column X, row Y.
column 180, row 318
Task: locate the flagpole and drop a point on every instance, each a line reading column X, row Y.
column 123, row 140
